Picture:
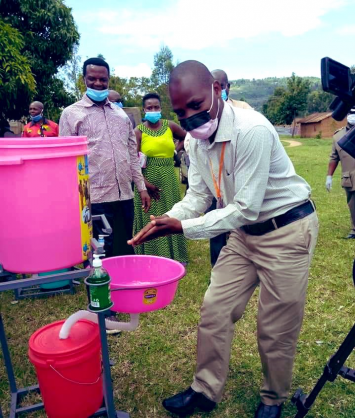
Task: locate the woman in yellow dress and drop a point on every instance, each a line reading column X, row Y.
column 155, row 140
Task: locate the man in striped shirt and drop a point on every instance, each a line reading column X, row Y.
column 113, row 159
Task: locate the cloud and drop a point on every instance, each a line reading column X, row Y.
column 200, row 24
column 126, row 71
column 347, row 30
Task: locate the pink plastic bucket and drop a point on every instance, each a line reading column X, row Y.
column 142, row 283
column 45, row 220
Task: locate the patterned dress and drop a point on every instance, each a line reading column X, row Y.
column 159, row 148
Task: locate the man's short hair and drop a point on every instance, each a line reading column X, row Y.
column 95, row 61
column 151, row 96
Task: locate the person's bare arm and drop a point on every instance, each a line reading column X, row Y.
column 179, row 134
column 332, row 167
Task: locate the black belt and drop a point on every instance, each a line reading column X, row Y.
column 290, row 216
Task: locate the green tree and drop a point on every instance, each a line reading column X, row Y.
column 70, row 74
column 131, row 89
column 295, row 99
column 49, row 33
column 287, row 103
column 271, row 109
column 16, row 78
column 318, row 101
column 163, row 65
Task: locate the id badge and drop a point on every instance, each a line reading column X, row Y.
column 220, row 204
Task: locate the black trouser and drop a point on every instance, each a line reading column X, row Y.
column 218, row 242
column 120, row 215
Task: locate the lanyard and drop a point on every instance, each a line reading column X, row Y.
column 217, row 186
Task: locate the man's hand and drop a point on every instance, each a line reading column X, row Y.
column 153, row 191
column 328, row 183
column 145, row 200
column 158, row 227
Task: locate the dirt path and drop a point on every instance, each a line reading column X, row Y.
column 292, row 143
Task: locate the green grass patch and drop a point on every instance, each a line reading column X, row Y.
column 158, row 359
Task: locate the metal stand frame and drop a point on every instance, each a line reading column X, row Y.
column 36, row 292
column 108, row 410
column 332, row 370
column 17, row 394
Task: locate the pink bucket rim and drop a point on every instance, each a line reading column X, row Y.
column 39, row 142
column 178, row 277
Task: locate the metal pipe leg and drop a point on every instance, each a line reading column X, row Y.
column 7, row 358
column 108, row 389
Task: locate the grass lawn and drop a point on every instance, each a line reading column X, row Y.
column 158, row 359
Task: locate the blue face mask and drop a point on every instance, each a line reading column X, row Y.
column 118, row 104
column 36, row 118
column 224, row 95
column 96, row 95
column 153, row 117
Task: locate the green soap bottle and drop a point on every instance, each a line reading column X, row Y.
column 99, row 286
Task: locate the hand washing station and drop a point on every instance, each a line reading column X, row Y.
column 46, row 225
column 66, row 354
column 71, row 357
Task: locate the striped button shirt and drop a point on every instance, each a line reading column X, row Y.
column 258, row 178
column 113, row 159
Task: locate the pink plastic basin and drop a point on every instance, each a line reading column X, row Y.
column 142, row 283
column 42, row 223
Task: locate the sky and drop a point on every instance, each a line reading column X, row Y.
column 246, row 38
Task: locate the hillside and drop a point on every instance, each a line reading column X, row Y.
column 257, row 91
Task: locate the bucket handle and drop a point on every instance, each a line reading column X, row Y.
column 73, row 381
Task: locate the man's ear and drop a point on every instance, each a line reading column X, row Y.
column 217, row 88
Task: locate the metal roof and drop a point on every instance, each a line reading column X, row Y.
column 315, row 117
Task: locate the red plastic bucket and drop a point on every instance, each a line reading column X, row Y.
column 69, row 371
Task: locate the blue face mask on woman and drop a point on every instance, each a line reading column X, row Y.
column 153, row 117
column 97, row 95
column 36, row 118
column 224, row 95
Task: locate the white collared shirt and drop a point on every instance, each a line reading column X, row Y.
column 258, row 181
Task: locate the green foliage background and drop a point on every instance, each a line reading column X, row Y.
column 48, row 35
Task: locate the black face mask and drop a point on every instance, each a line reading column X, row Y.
column 195, row 121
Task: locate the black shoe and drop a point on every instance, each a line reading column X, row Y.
column 184, row 403
column 265, row 411
column 350, row 236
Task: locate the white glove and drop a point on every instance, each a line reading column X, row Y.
column 328, row 183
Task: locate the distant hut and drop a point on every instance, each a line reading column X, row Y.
column 319, row 124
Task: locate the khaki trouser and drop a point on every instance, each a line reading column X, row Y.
column 350, row 198
column 279, row 262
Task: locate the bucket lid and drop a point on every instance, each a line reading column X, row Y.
column 45, row 341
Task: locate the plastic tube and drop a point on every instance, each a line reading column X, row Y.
column 91, row 316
